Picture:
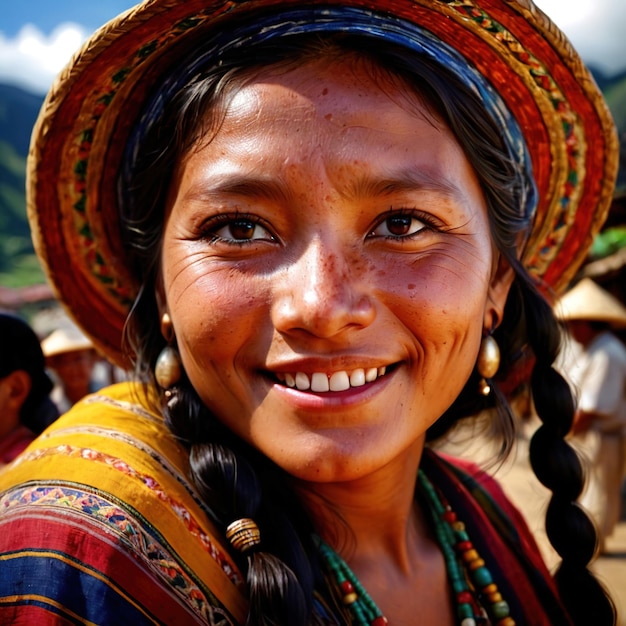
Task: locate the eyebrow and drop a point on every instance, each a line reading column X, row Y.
column 243, row 186
column 409, row 179
column 360, row 186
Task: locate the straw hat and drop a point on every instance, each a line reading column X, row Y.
column 545, row 95
column 63, row 340
column 588, row 301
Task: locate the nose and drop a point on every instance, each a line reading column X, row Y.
column 323, row 293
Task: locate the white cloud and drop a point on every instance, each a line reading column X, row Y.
column 31, row 59
column 595, row 28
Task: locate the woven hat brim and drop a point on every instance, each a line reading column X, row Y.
column 87, row 117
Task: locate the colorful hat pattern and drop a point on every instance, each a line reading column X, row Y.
column 89, row 114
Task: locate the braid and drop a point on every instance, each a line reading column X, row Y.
column 557, row 466
column 236, row 484
column 234, row 480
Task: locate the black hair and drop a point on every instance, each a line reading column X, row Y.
column 236, row 481
column 20, row 350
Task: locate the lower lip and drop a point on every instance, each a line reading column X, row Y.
column 332, row 399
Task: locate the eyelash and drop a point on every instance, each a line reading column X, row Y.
column 209, row 228
column 429, row 222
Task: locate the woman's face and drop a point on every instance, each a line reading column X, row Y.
column 328, row 269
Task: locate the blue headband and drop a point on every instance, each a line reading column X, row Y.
column 348, row 20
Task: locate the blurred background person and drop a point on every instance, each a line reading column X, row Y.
column 26, row 408
column 72, row 359
column 594, row 360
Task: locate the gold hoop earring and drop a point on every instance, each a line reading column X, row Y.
column 487, row 363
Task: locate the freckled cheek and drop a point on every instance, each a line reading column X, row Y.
column 213, row 309
column 431, row 298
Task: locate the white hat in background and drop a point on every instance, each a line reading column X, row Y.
column 588, row 301
column 65, row 339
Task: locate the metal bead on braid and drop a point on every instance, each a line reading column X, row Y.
column 487, row 363
column 243, row 534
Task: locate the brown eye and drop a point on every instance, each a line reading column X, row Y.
column 240, row 230
column 401, row 225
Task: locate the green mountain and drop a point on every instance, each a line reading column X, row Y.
column 18, row 110
column 18, row 263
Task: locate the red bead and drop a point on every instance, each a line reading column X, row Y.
column 346, row 587
column 449, row 516
column 464, row 546
column 380, row 621
column 465, row 597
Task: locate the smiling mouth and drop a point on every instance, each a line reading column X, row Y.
column 321, row 382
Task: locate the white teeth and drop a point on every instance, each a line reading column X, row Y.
column 357, row 378
column 319, row 382
column 302, row 381
column 338, row 381
column 371, row 374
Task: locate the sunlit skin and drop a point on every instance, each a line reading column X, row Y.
column 334, row 224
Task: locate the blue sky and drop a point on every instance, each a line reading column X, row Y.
column 37, row 37
column 47, row 14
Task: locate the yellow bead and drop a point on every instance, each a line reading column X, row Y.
column 476, row 563
column 350, row 598
column 494, row 597
column 492, row 588
column 470, row 555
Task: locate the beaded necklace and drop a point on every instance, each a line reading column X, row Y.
column 469, row 577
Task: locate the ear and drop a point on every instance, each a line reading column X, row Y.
column 499, row 287
column 19, row 387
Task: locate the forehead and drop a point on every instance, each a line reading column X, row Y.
column 337, row 123
column 321, row 94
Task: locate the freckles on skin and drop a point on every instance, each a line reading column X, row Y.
column 319, row 156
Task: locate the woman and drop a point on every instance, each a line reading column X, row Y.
column 314, row 225
column 25, row 404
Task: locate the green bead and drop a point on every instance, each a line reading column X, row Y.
column 482, row 577
column 458, row 586
column 464, row 610
column 500, row 609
